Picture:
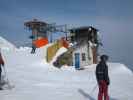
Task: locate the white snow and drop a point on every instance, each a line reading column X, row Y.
column 23, row 49
column 59, row 52
column 35, row 79
column 6, row 45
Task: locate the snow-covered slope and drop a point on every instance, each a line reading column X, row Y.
column 35, row 79
column 4, row 44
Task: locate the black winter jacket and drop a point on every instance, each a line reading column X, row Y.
column 102, row 72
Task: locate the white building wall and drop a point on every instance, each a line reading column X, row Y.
column 88, row 54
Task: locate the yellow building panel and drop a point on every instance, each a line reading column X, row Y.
column 51, row 51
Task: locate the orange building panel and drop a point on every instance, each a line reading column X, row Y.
column 40, row 42
column 64, row 42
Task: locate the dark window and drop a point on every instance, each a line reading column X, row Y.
column 83, row 57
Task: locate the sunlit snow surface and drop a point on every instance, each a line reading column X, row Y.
column 34, row 79
column 6, row 45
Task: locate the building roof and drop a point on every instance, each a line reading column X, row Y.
column 84, row 28
column 35, row 22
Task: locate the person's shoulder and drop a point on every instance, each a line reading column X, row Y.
column 98, row 65
column 106, row 66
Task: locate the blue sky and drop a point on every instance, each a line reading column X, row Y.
column 113, row 18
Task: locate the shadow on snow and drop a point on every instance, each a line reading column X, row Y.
column 86, row 95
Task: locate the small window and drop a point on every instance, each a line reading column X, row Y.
column 83, row 57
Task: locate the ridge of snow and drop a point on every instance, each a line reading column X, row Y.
column 23, row 48
column 59, row 52
column 6, row 45
column 121, row 67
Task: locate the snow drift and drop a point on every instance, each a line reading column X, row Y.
column 6, row 45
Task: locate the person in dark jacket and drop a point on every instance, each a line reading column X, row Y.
column 1, row 64
column 33, row 49
column 102, row 78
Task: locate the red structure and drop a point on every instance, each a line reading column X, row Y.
column 40, row 42
column 64, row 42
column 39, row 32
